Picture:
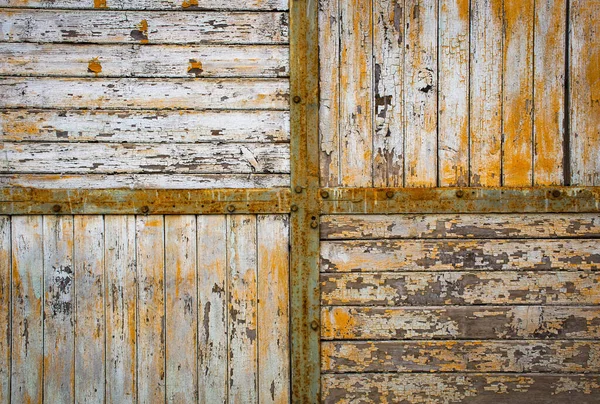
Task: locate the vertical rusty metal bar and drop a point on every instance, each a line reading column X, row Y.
column 305, row 294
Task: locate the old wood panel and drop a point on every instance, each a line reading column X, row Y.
column 66, row 60
column 121, row 308
column 460, row 388
column 6, row 306
column 75, row 26
column 585, row 91
column 152, row 4
column 490, row 226
column 450, row 255
column 59, row 309
column 131, row 93
column 27, row 309
column 466, row 322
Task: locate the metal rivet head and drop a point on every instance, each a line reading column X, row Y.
column 56, row 208
column 314, row 325
column 297, row 99
column 145, row 209
column 325, row 194
column 556, row 193
column 389, row 194
column 298, row 189
column 314, row 224
column 460, row 193
column 230, row 208
column 294, row 208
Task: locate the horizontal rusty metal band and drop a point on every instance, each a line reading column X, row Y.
column 26, row 201
column 459, row 200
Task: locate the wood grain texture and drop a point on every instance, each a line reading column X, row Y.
column 5, row 307
column 242, row 308
column 213, row 322
column 110, row 158
column 476, row 226
column 466, row 322
column 273, row 237
column 584, row 75
column 90, row 322
column 139, row 93
column 453, row 95
column 421, row 88
column 466, row 255
column 460, row 288
column 192, row 61
column 121, row 308
column 59, row 310
column 388, row 58
column 82, row 26
column 150, row 247
column 549, row 92
column 181, row 314
column 191, row 5
column 461, row 356
column 486, row 93
column 356, row 90
column 27, row 309
column 459, row 388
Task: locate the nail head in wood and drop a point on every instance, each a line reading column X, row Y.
column 294, row 208
column 56, row 208
column 389, row 194
column 298, row 189
column 556, row 193
column 145, row 209
column 314, row 224
column 460, row 193
column 325, row 194
column 314, row 325
column 297, row 99
column 230, row 208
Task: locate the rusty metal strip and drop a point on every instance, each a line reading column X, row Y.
column 304, row 112
column 459, row 200
column 25, row 201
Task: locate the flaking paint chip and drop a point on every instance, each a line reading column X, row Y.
column 195, row 67
column 189, row 3
column 99, row 3
column 94, row 66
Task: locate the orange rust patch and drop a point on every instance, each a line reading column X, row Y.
column 94, row 66
column 195, row 67
column 99, row 3
column 189, row 3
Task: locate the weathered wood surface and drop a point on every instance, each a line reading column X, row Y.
column 134, row 93
column 151, row 4
column 109, row 158
column 476, row 226
column 459, row 288
column 466, row 322
column 460, row 388
column 66, row 60
column 5, row 304
column 463, row 255
column 75, row 26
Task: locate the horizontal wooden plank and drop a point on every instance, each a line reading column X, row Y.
column 449, row 255
column 460, row 288
column 66, row 60
column 467, row 322
column 138, row 93
column 461, row 356
column 151, row 4
column 125, row 126
column 460, row 226
column 144, row 181
column 463, row 388
column 74, row 26
column 143, row 158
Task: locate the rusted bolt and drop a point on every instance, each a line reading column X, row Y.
column 556, row 193
column 389, row 194
column 314, row 325
column 297, row 99
column 325, row 194
column 314, row 224
column 460, row 193
column 298, row 189
column 294, row 208
column 230, row 208
column 145, row 209
column 56, row 208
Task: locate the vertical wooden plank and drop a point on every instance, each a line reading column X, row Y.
column 241, row 256
column 5, row 309
column 549, row 91
column 388, row 55
column 517, row 112
column 181, row 314
column 585, row 92
column 212, row 303
column 121, row 298
column 486, row 93
column 421, row 88
column 27, row 300
column 59, row 310
column 273, row 309
column 453, row 147
column 89, row 308
column 329, row 108
column 151, row 309
column 356, row 92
